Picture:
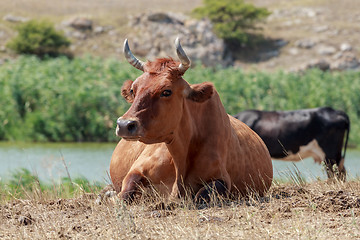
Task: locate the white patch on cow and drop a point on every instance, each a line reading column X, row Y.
column 312, row 149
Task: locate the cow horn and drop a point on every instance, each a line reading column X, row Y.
column 184, row 60
column 131, row 58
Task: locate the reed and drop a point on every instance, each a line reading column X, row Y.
column 80, row 100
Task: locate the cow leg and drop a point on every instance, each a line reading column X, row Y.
column 178, row 190
column 339, row 173
column 214, row 188
column 131, row 186
column 342, row 170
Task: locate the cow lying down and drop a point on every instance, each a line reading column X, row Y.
column 319, row 133
column 177, row 137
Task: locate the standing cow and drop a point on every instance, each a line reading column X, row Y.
column 295, row 135
column 178, row 137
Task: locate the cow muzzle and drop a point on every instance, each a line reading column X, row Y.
column 128, row 128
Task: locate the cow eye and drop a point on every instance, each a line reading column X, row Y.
column 132, row 92
column 166, row 93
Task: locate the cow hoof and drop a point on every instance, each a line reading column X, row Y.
column 163, row 206
column 130, row 197
column 211, row 192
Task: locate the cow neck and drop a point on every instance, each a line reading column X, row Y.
column 179, row 145
column 194, row 128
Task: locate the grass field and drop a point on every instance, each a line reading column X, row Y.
column 291, row 210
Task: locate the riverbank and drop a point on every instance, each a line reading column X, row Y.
column 51, row 162
column 320, row 210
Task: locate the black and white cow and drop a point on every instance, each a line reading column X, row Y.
column 299, row 134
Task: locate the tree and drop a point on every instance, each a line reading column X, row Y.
column 39, row 38
column 233, row 20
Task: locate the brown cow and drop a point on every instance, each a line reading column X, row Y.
column 178, row 136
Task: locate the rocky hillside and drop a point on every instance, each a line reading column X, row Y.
column 299, row 34
column 322, row 34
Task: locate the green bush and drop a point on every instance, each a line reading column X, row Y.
column 62, row 100
column 233, row 20
column 79, row 100
column 39, row 38
column 23, row 178
column 24, row 184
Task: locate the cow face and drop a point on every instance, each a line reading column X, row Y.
column 158, row 98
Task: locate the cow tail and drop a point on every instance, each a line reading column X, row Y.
column 347, row 133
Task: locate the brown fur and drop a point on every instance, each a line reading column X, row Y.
column 186, row 139
column 125, row 91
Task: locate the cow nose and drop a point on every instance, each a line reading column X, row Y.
column 127, row 127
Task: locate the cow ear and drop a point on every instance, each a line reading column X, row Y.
column 125, row 91
column 201, row 92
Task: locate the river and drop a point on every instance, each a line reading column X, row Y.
column 49, row 161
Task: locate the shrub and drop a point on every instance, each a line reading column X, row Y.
column 233, row 19
column 58, row 99
column 80, row 100
column 25, row 184
column 39, row 38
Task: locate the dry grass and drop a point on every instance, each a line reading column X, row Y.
column 109, row 9
column 103, row 13
column 317, row 210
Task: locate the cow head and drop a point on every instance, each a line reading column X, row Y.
column 158, row 97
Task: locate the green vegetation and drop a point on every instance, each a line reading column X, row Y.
column 61, row 99
column 80, row 100
column 23, row 184
column 234, row 20
column 39, row 38
column 286, row 91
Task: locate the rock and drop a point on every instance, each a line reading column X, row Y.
column 79, row 35
column 326, row 50
column 154, row 35
column 102, row 29
column 105, row 194
column 345, row 62
column 345, row 47
column 267, row 55
column 305, row 43
column 280, row 43
column 334, row 32
column 112, row 33
column 163, row 18
column 311, row 13
column 99, row 30
column 321, row 64
column 81, row 23
column 337, row 55
column 293, row 51
column 12, row 18
column 319, row 29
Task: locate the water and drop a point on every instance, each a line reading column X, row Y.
column 50, row 160
column 311, row 170
column 91, row 160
